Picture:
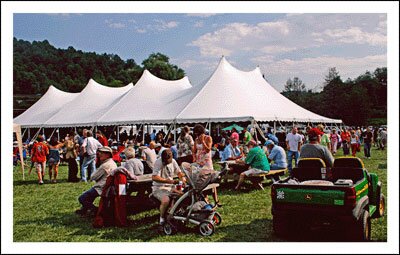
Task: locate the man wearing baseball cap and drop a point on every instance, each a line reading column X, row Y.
column 315, row 150
column 276, row 154
column 100, row 176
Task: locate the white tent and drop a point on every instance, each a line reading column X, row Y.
column 151, row 101
column 49, row 104
column 94, row 100
column 17, row 131
column 234, row 95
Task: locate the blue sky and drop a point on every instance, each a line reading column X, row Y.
column 283, row 45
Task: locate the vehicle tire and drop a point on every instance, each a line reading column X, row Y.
column 280, row 225
column 380, row 207
column 206, row 228
column 169, row 229
column 217, row 219
column 362, row 229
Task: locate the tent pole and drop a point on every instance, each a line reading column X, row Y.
column 274, row 127
column 21, row 156
column 52, row 133
column 29, row 134
column 209, row 128
column 58, row 134
column 118, row 134
column 143, row 133
column 23, row 133
column 175, row 131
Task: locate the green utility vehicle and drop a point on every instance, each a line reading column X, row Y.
column 344, row 197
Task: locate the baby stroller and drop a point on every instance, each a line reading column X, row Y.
column 192, row 206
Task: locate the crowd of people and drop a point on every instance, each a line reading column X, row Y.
column 161, row 157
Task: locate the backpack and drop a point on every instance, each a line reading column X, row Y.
column 112, row 206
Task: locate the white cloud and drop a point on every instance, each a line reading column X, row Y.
column 277, row 49
column 236, row 36
column 117, row 25
column 141, row 31
column 318, row 66
column 353, row 35
column 161, row 25
column 201, row 15
column 199, row 24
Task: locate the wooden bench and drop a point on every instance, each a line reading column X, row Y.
column 274, row 175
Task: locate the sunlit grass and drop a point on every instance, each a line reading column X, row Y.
column 46, row 214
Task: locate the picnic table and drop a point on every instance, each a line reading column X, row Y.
column 274, row 175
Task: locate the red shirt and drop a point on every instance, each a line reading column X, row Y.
column 102, row 140
column 39, row 151
column 345, row 136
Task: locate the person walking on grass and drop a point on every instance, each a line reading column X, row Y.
column 54, row 158
column 354, row 143
column 293, row 144
column 39, row 153
column 367, row 138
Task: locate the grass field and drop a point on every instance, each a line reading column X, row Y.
column 46, row 214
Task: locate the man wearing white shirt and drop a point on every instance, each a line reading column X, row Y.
column 89, row 149
column 293, row 144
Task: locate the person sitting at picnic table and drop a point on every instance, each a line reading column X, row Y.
column 165, row 168
column 256, row 161
column 132, row 164
column 87, row 198
column 277, row 154
column 231, row 151
column 315, row 150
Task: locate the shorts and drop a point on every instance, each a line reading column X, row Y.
column 253, row 171
column 39, row 165
column 53, row 162
column 160, row 193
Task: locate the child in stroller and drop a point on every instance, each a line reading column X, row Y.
column 192, row 206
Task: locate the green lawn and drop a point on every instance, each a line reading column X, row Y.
column 46, row 214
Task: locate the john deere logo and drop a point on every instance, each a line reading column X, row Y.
column 308, row 197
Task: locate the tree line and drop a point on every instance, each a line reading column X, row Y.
column 359, row 101
column 38, row 65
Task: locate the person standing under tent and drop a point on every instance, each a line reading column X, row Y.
column 39, row 153
column 202, row 148
column 71, row 155
column 293, row 144
column 247, row 137
column 89, row 148
column 101, row 138
column 185, row 146
column 153, row 135
column 54, row 158
column 235, row 135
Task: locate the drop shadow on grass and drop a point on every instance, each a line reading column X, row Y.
column 142, row 230
column 35, row 182
column 263, row 232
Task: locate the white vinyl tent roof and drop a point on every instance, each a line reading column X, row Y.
column 234, row 95
column 49, row 104
column 94, row 100
column 152, row 101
